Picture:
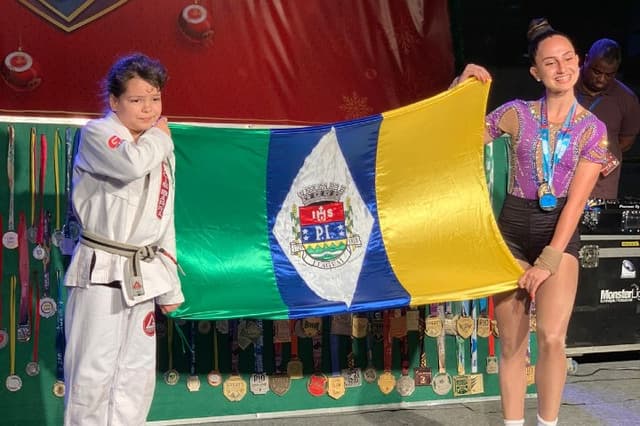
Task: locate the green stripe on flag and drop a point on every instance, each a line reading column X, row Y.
column 221, row 208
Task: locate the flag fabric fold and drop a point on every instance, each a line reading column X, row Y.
column 386, row 211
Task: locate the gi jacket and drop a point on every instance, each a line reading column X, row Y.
column 124, row 192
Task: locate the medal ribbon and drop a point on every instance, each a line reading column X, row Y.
column 10, row 175
column 235, row 347
column 36, row 328
column 386, row 332
column 169, row 341
column 12, row 325
column 23, row 261
column 316, row 342
column 441, row 348
column 258, row 349
column 60, row 338
column 46, row 286
column 562, row 141
column 422, row 322
column 192, row 348
column 294, row 339
column 56, row 173
column 335, row 362
column 474, row 336
column 460, row 346
column 404, row 354
column 32, row 174
column 491, row 338
column 41, row 188
column 215, row 348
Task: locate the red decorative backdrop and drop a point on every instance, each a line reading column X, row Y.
column 278, row 62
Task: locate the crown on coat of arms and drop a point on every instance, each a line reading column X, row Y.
column 321, row 192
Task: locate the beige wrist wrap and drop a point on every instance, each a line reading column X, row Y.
column 549, row 259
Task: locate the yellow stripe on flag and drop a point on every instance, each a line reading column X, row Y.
column 433, row 203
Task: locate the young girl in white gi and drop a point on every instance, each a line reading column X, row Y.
column 124, row 263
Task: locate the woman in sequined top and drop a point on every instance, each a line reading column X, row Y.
column 557, row 151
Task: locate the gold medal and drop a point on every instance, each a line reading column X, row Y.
column 386, row 382
column 461, row 385
column 398, row 326
column 341, row 325
column 294, row 369
column 279, row 383
column 336, row 387
column 312, row 326
column 483, row 328
column 405, row 385
column 58, row 389
column 494, row 329
column 464, row 326
column 532, row 323
column 476, row 383
column 359, row 326
column 433, row 326
column 234, row 388
column 530, row 371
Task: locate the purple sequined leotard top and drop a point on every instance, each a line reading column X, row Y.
column 588, row 140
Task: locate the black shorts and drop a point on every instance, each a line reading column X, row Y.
column 527, row 229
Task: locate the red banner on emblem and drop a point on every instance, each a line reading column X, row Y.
column 323, row 213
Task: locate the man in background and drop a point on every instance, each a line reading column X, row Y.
column 612, row 102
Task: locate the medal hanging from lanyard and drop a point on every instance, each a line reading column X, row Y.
column 546, row 197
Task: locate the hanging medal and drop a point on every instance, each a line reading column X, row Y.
column 336, row 387
column 10, row 238
column 294, row 366
column 546, row 197
column 171, row 376
column 492, row 359
column 465, row 325
column 441, row 382
column 234, row 388
column 13, row 381
column 386, row 381
column 259, row 381
column 405, row 384
column 433, row 324
column 483, row 323
column 422, row 374
column 450, row 319
column 476, row 380
column 370, row 374
column 214, row 378
column 317, row 383
column 39, row 251
column 33, row 367
column 193, row 381
column 24, row 321
column 58, row 386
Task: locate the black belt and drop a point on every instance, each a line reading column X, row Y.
column 112, row 284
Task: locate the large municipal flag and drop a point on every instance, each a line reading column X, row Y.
column 386, row 211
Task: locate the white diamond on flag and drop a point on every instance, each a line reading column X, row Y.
column 324, row 225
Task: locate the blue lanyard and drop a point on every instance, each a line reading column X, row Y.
column 562, row 141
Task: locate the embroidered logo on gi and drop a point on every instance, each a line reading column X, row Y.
column 324, row 226
column 164, row 193
column 324, row 235
column 149, row 324
column 114, row 142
